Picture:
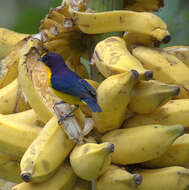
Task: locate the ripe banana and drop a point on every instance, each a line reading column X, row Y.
column 170, row 178
column 173, row 112
column 144, row 5
column 166, row 67
column 46, row 153
column 111, row 57
column 63, row 179
column 118, row 21
column 90, row 160
column 140, row 144
column 113, row 96
column 15, row 136
column 181, row 52
column 32, row 78
column 8, row 39
column 82, row 185
column 147, row 96
column 12, row 99
column 117, row 178
column 134, row 39
column 58, row 21
column 177, row 155
column 28, row 117
column 9, row 65
column 9, row 168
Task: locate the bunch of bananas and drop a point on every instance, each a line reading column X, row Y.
column 136, row 142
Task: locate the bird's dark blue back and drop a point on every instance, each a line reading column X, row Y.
column 69, row 82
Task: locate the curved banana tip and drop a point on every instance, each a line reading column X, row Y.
column 26, row 176
column 166, row 39
column 135, row 74
column 176, row 91
column 111, row 147
column 137, row 178
column 148, row 75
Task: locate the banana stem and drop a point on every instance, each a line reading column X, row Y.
column 101, row 6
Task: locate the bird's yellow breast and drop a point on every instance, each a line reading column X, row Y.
column 65, row 97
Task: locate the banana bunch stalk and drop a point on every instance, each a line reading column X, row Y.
column 138, row 141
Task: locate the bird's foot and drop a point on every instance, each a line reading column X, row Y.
column 62, row 118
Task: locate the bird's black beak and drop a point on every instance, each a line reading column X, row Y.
column 39, row 59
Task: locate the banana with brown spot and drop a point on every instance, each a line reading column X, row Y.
column 113, row 96
column 140, row 144
column 166, row 67
column 118, row 21
column 169, row 178
column 174, row 111
column 111, row 57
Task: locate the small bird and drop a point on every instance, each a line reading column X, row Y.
column 67, row 85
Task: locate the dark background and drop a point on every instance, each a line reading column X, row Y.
column 25, row 15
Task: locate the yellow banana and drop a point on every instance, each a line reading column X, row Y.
column 140, row 144
column 111, row 57
column 177, row 155
column 166, row 67
column 12, row 99
column 9, row 168
column 8, row 39
column 90, row 160
column 169, row 178
column 46, row 153
column 181, row 52
column 64, row 179
column 147, row 96
column 15, row 136
column 134, row 39
column 32, row 78
column 9, row 65
column 117, row 21
column 173, row 112
column 113, row 96
column 144, row 5
column 117, row 178
column 82, row 185
column 56, row 22
column 28, row 117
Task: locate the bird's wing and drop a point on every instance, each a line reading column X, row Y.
column 87, row 86
column 69, row 85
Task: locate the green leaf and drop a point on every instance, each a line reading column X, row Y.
column 28, row 21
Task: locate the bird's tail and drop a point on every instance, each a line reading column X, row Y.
column 92, row 104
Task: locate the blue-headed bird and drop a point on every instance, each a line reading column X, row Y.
column 67, row 85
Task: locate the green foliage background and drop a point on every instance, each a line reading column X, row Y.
column 25, row 15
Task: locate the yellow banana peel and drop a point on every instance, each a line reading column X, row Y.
column 113, row 96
